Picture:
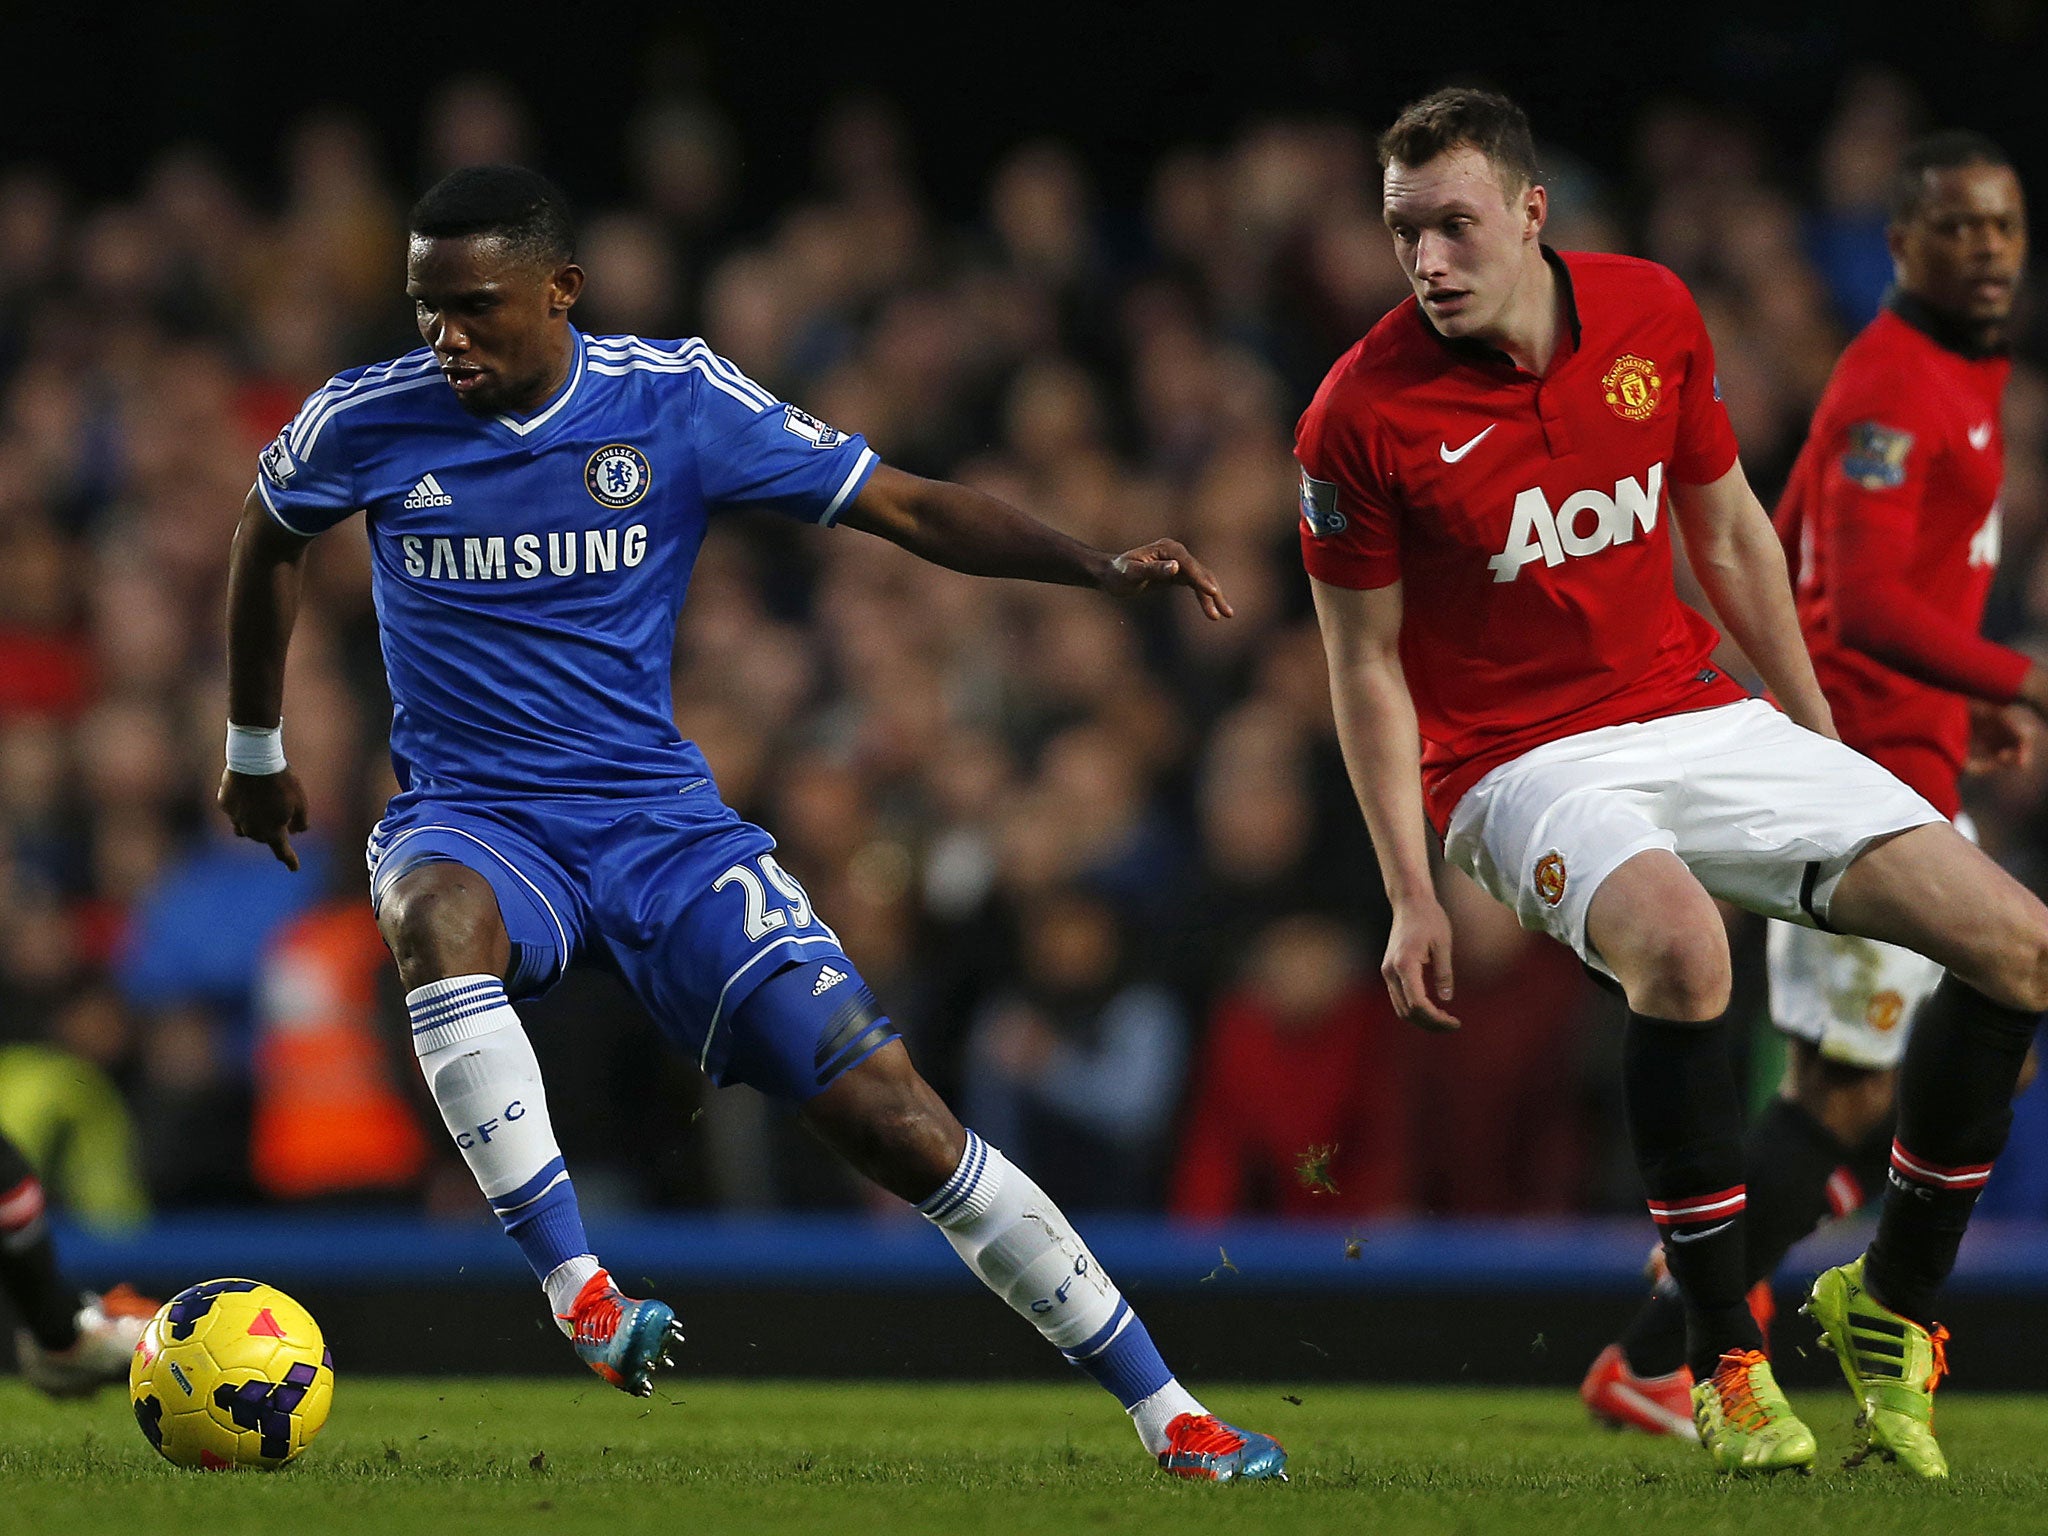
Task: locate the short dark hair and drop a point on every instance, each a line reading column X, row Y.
column 1947, row 150
column 519, row 206
column 1460, row 117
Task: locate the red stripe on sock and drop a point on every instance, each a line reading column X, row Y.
column 1919, row 1170
column 1845, row 1193
column 22, row 1205
column 1694, row 1209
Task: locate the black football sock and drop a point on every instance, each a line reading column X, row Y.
column 1685, row 1120
column 1796, row 1173
column 1955, row 1108
column 28, row 1258
column 1798, row 1177
column 1654, row 1341
column 1861, row 1178
column 1794, row 1169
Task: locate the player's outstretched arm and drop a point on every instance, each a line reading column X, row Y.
column 1740, row 564
column 1382, row 752
column 1871, row 534
column 965, row 530
column 266, row 567
column 1999, row 738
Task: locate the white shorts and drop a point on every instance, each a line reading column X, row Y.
column 1853, row 998
column 1765, row 813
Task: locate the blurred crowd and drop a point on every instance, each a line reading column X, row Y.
column 1099, row 862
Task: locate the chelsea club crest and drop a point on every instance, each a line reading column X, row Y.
column 617, row 475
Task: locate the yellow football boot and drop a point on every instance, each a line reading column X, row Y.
column 1745, row 1422
column 1893, row 1366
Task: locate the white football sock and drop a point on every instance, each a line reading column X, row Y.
column 486, row 1082
column 1024, row 1249
column 565, row 1282
column 1159, row 1410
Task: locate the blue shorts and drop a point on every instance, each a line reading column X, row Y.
column 676, row 895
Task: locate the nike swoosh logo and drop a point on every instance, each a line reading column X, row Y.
column 1980, row 436
column 1452, row 455
column 1693, row 1237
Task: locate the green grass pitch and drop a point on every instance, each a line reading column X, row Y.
column 403, row 1456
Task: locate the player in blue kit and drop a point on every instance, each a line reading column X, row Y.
column 535, row 500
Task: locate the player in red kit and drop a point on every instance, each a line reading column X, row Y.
column 1890, row 523
column 1488, row 481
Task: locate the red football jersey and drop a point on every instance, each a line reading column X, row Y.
column 1890, row 522
column 1525, row 516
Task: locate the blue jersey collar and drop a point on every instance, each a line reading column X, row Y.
column 554, row 407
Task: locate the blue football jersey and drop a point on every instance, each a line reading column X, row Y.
column 528, row 571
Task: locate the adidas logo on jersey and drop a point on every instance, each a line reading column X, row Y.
column 427, row 493
column 828, row 978
column 1587, row 523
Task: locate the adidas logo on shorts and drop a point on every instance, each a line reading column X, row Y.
column 827, row 980
column 427, row 493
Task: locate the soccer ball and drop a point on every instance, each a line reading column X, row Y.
column 231, row 1373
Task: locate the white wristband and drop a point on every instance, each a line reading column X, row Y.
column 256, row 750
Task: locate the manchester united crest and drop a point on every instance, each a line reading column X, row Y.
column 1884, row 1011
column 1550, row 878
column 1634, row 388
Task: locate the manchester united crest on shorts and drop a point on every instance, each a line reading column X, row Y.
column 1550, row 878
column 617, row 474
column 1634, row 388
column 1884, row 1010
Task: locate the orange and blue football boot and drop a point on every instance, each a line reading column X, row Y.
column 621, row 1339
column 1203, row 1447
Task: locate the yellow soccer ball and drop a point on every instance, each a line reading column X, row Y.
column 231, row 1373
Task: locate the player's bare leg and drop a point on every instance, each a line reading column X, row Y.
column 442, row 923
column 885, row 1120
column 1934, row 891
column 1659, row 931
column 890, row 1124
column 440, row 919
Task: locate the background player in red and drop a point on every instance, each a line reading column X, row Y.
column 1485, row 478
column 70, row 1342
column 1890, row 522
